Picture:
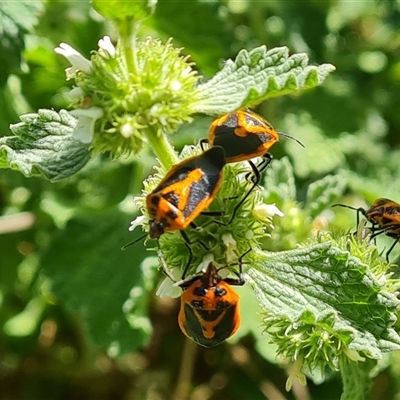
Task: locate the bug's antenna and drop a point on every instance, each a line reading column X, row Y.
column 291, row 137
column 344, row 205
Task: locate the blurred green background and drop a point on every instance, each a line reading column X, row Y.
column 71, row 301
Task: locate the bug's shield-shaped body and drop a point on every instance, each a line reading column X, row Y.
column 243, row 135
column 386, row 214
column 187, row 190
column 209, row 312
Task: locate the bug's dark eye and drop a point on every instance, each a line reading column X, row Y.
column 219, row 292
column 200, row 291
column 197, row 303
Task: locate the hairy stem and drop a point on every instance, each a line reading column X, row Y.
column 162, row 148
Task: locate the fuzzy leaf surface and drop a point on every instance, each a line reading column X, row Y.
column 321, row 193
column 16, row 19
column 256, row 76
column 324, row 283
column 43, row 144
column 279, row 183
column 356, row 378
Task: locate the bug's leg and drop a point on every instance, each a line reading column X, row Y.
column 188, row 241
column 255, row 180
column 188, row 262
column 392, row 247
column 134, row 242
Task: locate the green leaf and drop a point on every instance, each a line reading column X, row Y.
column 322, row 303
column 356, row 379
column 199, row 28
column 119, row 10
column 16, row 19
column 43, row 143
column 256, row 76
column 323, row 192
column 320, row 156
column 92, row 276
column 279, row 182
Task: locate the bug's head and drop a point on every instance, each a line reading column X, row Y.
column 156, row 229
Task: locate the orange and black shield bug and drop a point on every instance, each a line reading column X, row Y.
column 209, row 312
column 185, row 192
column 244, row 135
column 384, row 215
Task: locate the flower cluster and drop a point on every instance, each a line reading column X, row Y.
column 119, row 101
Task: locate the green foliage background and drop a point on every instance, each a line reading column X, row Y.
column 53, row 234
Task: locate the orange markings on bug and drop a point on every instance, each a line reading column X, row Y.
column 209, row 312
column 186, row 191
column 384, row 215
column 243, row 135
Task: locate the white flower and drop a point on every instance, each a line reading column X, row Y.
column 84, row 129
column 106, row 46
column 78, row 62
column 76, row 93
column 231, row 247
column 168, row 286
column 263, row 211
column 137, row 222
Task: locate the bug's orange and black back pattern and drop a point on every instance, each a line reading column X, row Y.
column 209, row 312
column 243, row 135
column 186, row 191
column 384, row 215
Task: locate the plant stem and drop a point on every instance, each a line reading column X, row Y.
column 158, row 142
column 162, row 148
column 186, row 371
column 127, row 32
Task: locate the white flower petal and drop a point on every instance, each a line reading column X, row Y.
column 84, row 129
column 78, row 62
column 106, row 45
column 76, row 93
column 137, row 222
column 168, row 286
column 231, row 247
column 263, row 211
